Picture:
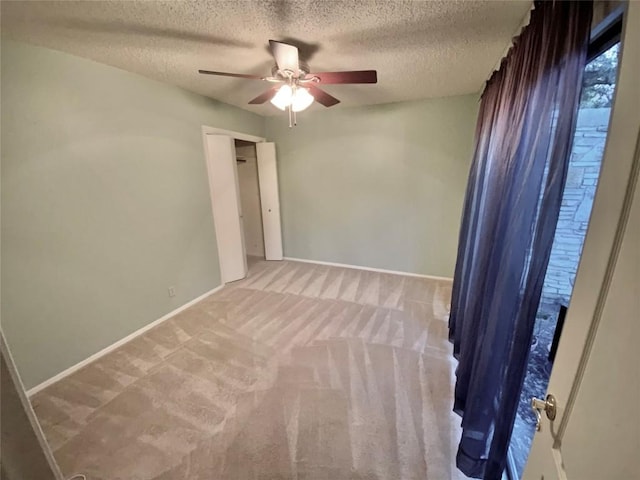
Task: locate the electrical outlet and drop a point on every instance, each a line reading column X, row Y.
column 172, row 291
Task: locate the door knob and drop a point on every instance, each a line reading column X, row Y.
column 549, row 407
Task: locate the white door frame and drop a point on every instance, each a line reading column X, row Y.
column 207, row 130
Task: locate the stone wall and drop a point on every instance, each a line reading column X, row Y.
column 584, row 168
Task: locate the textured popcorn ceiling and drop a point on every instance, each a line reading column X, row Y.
column 421, row 49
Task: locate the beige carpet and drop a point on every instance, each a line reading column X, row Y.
column 297, row 372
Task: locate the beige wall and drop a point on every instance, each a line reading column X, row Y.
column 105, row 204
column 379, row 186
column 250, row 200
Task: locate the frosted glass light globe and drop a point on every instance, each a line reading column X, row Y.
column 282, row 99
column 301, row 99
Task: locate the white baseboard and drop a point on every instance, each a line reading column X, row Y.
column 119, row 343
column 369, row 269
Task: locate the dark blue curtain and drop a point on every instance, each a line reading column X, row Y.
column 523, row 138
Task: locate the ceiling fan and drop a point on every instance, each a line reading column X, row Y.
column 296, row 88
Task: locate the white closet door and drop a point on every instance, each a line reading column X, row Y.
column 268, row 180
column 225, row 202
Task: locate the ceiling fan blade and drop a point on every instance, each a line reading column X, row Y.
column 357, row 76
column 226, row 74
column 286, row 56
column 265, row 96
column 322, row 97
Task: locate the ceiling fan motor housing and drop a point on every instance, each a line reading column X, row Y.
column 290, row 71
column 303, row 70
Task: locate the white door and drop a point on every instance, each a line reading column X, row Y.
column 225, row 202
column 596, row 375
column 270, row 200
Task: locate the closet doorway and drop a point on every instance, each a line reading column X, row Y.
column 243, row 182
column 251, row 211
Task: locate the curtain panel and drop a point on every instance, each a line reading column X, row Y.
column 524, row 133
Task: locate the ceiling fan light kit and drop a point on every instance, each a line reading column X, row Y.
column 299, row 88
column 282, row 98
column 296, row 97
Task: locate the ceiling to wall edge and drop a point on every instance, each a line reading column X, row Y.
column 450, row 57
